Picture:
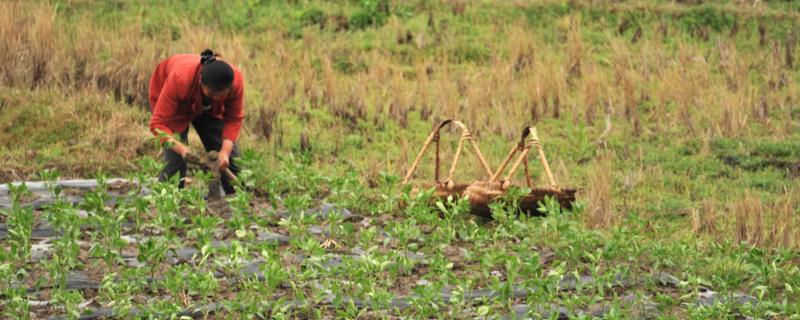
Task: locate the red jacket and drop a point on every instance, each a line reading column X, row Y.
column 176, row 97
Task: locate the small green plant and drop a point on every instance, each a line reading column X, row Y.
column 427, row 301
column 241, row 216
column 346, row 191
column 453, row 208
column 402, row 233
column 64, row 218
column 69, row 300
column 16, row 304
column 312, row 16
column 117, row 289
column 232, row 258
column 274, row 273
column 176, row 280
column 418, row 205
column 706, row 17
column 370, row 13
column 202, row 284
column 167, row 200
column 106, row 242
column 20, row 226
column 551, row 207
column 49, row 176
column 18, row 192
column 388, row 192
column 195, row 197
column 202, row 229
column 152, row 252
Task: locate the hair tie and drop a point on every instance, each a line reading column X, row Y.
column 207, row 56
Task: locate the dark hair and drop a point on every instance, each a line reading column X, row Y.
column 215, row 74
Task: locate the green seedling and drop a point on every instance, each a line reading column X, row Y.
column 117, row 289
column 65, row 219
column 50, row 176
column 202, row 284
column 195, row 196
column 152, row 252
column 20, row 226
column 174, row 281
column 106, row 240
column 166, row 198
column 16, row 304
column 20, row 222
column 233, row 259
column 241, row 214
column 70, row 300
column 275, row 274
column 452, row 208
column 136, row 208
column 427, row 301
column 389, row 193
column 335, row 227
column 202, row 229
column 17, row 192
column 345, row 191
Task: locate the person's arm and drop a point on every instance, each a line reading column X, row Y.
column 232, row 122
column 165, row 109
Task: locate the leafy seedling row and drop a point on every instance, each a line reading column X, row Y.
column 100, row 233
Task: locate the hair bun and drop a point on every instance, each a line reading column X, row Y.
column 207, row 56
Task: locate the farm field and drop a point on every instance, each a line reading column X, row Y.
column 678, row 122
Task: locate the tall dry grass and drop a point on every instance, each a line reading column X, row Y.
column 768, row 223
column 704, row 219
column 525, row 79
column 601, row 212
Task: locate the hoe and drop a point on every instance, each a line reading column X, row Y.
column 211, row 164
column 482, row 192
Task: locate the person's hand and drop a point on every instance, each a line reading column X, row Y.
column 187, row 154
column 223, row 160
column 225, row 154
column 181, row 150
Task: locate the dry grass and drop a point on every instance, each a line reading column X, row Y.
column 524, row 79
column 769, row 223
column 78, row 134
column 601, row 212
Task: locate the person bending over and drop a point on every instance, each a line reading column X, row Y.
column 207, row 93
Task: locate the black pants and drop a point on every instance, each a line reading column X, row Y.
column 210, row 131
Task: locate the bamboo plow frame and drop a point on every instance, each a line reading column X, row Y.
column 540, row 150
column 524, row 149
column 482, row 192
column 434, row 137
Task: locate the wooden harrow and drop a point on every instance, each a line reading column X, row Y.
column 483, row 192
